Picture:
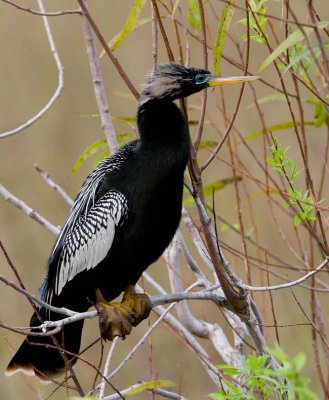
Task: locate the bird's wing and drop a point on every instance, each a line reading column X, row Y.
column 90, row 239
column 89, row 231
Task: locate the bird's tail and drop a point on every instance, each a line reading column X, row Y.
column 47, row 356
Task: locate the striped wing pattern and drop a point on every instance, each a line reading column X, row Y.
column 89, row 231
column 88, row 243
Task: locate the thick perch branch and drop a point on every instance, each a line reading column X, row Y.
column 76, row 316
column 207, row 294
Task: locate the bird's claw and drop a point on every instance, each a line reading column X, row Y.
column 117, row 319
column 139, row 303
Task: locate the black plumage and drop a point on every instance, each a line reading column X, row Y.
column 122, row 220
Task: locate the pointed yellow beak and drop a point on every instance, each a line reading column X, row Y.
column 216, row 80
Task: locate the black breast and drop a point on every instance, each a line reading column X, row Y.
column 152, row 180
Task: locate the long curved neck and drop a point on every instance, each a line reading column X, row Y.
column 161, row 124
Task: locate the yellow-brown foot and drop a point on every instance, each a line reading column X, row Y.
column 117, row 319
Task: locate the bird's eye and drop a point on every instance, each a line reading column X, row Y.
column 200, row 79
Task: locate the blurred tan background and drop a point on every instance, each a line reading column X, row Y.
column 28, row 77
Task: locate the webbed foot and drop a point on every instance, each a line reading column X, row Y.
column 117, row 319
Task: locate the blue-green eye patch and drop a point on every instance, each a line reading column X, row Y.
column 201, row 78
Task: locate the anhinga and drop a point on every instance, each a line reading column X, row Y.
column 122, row 220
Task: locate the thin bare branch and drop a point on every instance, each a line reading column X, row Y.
column 47, row 14
column 161, row 392
column 163, row 32
column 98, row 84
column 53, row 185
column 289, row 284
column 107, row 49
column 60, row 84
column 28, row 210
column 107, row 368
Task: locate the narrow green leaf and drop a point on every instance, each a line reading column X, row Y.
column 83, row 398
column 193, row 14
column 302, row 55
column 128, row 120
column 213, row 187
column 276, row 127
column 223, row 26
column 115, row 42
column 217, row 396
column 88, row 152
column 322, row 115
column 271, row 161
column 130, row 24
column 207, row 144
column 294, row 38
column 218, row 185
column 266, row 99
column 101, row 157
column 229, row 369
column 151, row 385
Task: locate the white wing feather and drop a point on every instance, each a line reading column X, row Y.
column 88, row 243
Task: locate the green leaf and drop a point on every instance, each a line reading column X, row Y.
column 217, row 396
column 301, row 55
column 257, row 24
column 322, row 116
column 106, row 153
column 127, row 120
column 130, row 24
column 231, row 392
column 299, row 361
column 223, row 26
column 88, row 152
column 297, row 220
column 193, row 14
column 213, row 187
column 294, row 38
column 131, row 121
column 83, row 398
column 266, row 99
column 207, row 144
column 151, row 385
column 271, row 161
column 113, row 43
column 124, row 137
column 218, row 185
column 261, row 381
column 311, row 217
column 276, row 127
column 229, row 369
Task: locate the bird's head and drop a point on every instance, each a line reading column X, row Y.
column 174, row 81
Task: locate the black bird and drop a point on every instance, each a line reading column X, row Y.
column 122, row 220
